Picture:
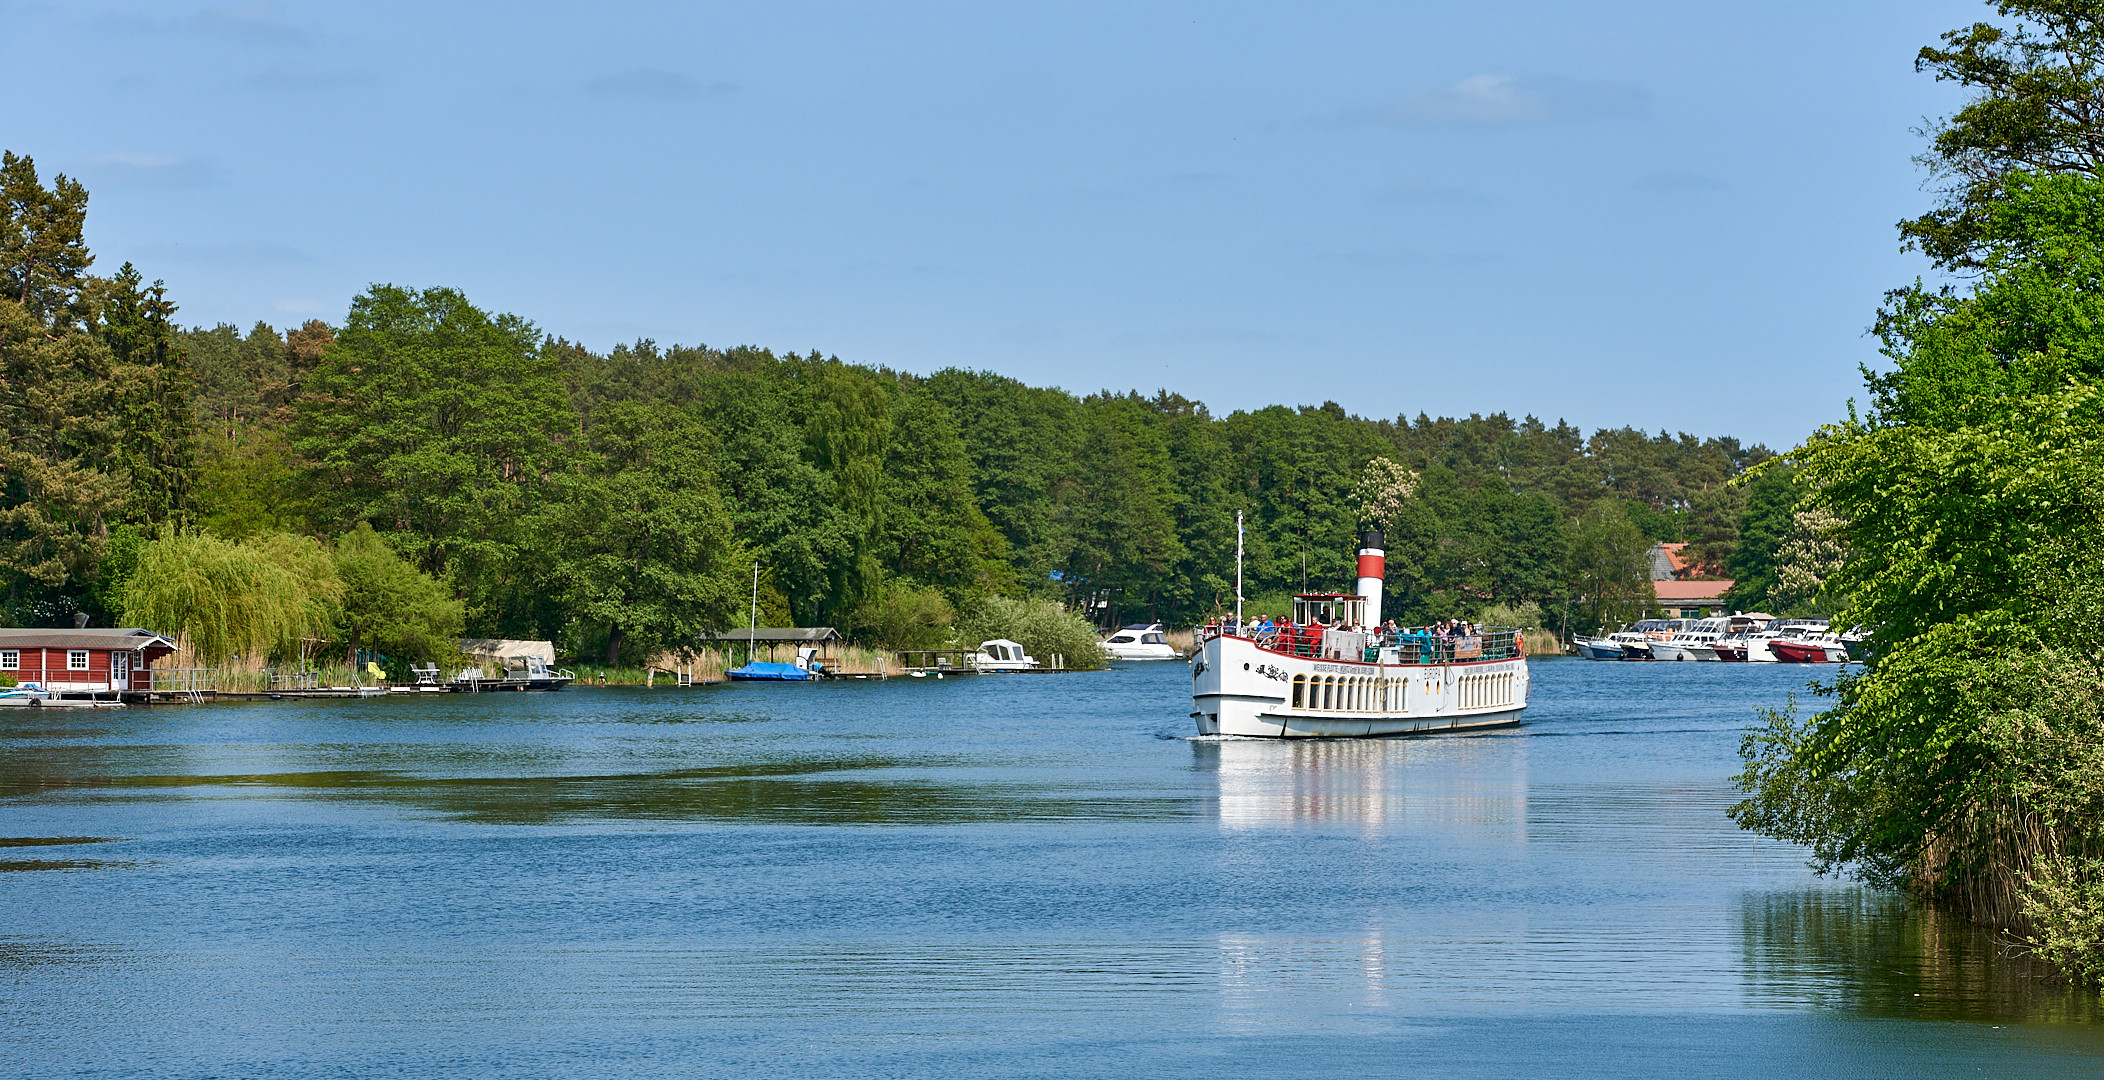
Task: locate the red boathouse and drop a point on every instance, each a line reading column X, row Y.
column 82, row 661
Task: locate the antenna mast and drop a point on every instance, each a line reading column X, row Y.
column 1238, row 571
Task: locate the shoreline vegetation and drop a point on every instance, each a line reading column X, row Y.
column 1963, row 510
column 426, row 470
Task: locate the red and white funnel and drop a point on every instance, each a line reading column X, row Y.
column 1373, row 567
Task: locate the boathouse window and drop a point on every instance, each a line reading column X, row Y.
column 10, row 659
column 1300, row 690
column 77, row 660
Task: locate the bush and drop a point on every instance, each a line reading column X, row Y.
column 905, row 617
column 1523, row 616
column 2064, row 902
column 1041, row 627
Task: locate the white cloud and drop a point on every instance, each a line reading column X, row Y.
column 1502, row 100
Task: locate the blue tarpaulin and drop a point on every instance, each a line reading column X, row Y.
column 760, row 669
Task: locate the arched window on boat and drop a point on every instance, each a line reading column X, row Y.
column 1329, row 692
column 1300, row 690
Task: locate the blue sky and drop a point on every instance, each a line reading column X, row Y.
column 1667, row 215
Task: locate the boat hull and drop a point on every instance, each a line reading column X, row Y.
column 1139, row 652
column 1598, row 650
column 1799, row 652
column 1241, row 688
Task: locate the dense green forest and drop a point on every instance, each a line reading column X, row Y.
column 1962, row 517
column 618, row 502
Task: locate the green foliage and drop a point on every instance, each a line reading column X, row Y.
column 1967, row 759
column 646, row 547
column 93, row 400
column 2065, row 899
column 933, row 532
column 43, row 255
column 905, row 616
column 1610, row 577
column 1772, row 497
column 441, row 424
column 224, row 599
column 385, row 604
column 2034, row 113
column 1042, row 627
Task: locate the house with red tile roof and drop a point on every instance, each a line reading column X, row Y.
column 1678, row 596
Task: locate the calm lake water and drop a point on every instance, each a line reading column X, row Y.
column 1021, row 876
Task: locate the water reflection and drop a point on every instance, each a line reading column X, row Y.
column 826, row 790
column 1879, row 954
column 1475, row 783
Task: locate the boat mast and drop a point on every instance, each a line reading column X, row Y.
column 1238, row 571
column 752, row 625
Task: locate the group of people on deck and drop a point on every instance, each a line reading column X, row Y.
column 1445, row 630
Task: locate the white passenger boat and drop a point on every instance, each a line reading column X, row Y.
column 1139, row 642
column 1326, row 676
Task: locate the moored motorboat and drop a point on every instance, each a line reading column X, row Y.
column 1001, row 654
column 1593, row 648
column 1139, row 642
column 1767, row 646
column 1798, row 651
column 1695, row 642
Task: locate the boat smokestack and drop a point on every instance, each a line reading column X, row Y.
column 1373, row 567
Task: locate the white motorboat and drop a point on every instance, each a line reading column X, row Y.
column 1808, row 642
column 1137, row 642
column 1001, row 654
column 1697, row 642
column 1323, row 675
column 23, row 696
column 1759, row 646
column 1636, row 641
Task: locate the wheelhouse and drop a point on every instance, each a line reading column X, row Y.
column 1331, row 609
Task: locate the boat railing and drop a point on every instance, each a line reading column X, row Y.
column 1410, row 646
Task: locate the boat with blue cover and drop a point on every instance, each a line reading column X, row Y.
column 764, row 671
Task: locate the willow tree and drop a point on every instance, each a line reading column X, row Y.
column 227, row 599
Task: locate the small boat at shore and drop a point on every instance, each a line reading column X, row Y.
column 1001, row 654
column 1593, row 648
